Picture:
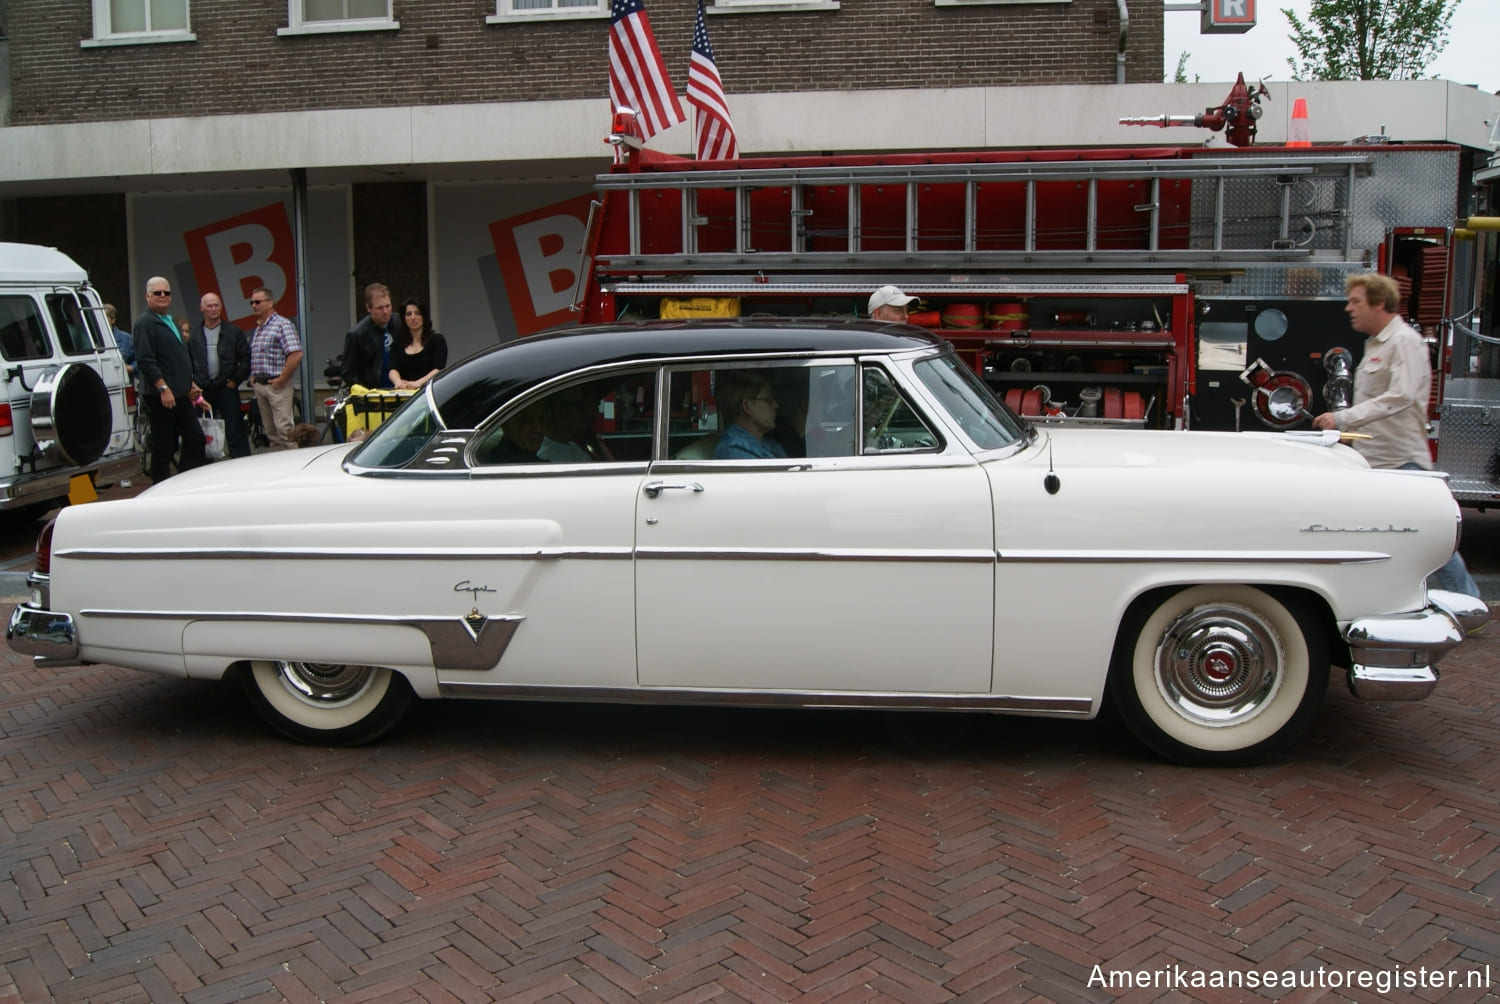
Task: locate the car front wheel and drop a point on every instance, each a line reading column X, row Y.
column 328, row 703
column 1219, row 675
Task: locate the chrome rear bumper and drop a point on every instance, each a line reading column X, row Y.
column 51, row 637
column 1394, row 657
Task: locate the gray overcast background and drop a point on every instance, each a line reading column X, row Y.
column 1262, row 52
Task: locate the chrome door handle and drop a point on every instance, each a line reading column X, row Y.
column 655, row 488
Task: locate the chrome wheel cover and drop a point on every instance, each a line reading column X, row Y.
column 1219, row 664
column 324, row 684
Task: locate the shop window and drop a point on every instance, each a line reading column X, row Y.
column 119, row 22
column 535, row 10
column 320, row 16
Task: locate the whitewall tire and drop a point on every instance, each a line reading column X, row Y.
column 1219, row 674
column 328, row 703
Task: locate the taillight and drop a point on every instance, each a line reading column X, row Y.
column 130, row 396
column 44, row 547
column 7, row 426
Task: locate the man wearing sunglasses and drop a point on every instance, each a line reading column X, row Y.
column 166, row 378
column 275, row 353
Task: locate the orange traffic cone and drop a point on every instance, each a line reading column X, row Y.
column 1297, row 134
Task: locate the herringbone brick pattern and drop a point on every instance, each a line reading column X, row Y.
column 157, row 843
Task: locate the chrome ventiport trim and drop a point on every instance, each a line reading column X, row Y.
column 1061, row 706
column 43, row 634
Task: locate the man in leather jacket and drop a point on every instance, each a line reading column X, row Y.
column 367, row 346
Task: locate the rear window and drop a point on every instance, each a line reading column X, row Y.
column 77, row 329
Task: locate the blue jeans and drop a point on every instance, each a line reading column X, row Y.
column 1453, row 576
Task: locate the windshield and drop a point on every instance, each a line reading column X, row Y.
column 400, row 437
column 971, row 404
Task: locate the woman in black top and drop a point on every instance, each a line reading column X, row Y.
column 419, row 352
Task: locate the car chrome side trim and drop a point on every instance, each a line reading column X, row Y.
column 1113, row 556
column 1069, row 706
column 471, row 641
column 312, row 553
column 813, row 554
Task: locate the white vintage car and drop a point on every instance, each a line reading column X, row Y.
column 562, row 518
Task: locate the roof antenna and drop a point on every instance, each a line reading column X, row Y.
column 1051, row 482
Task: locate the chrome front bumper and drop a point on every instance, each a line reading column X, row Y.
column 52, row 638
column 1394, row 657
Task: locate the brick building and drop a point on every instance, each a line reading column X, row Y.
column 171, row 136
column 135, row 127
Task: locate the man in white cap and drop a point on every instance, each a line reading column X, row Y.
column 889, row 304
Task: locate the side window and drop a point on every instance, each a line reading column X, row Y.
column 76, row 335
column 762, row 413
column 609, row 419
column 22, row 334
column 891, row 424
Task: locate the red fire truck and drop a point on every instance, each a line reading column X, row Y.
column 1169, row 287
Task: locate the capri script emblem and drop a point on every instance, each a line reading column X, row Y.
column 468, row 587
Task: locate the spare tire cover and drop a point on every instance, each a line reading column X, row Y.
column 70, row 415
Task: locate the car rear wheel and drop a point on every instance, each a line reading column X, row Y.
column 1219, row 675
column 328, row 703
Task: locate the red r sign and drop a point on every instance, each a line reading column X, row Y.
column 1227, row 17
column 237, row 254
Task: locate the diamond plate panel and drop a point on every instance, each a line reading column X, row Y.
column 1469, row 439
column 1403, row 188
column 1308, row 279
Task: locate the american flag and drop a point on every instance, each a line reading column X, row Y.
column 637, row 76
column 713, row 133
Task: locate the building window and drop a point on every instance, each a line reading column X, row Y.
column 122, row 22
column 548, row 10
column 318, row 16
column 763, row 6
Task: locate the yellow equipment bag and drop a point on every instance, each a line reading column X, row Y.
column 693, row 307
column 366, row 409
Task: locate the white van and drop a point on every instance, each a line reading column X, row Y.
column 67, row 408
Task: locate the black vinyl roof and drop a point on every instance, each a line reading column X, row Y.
column 473, row 389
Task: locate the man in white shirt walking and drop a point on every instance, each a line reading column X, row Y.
column 1392, row 388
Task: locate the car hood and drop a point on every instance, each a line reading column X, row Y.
column 1107, row 490
column 1123, row 448
column 262, row 471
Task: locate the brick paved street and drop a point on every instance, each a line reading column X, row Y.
column 157, row 842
